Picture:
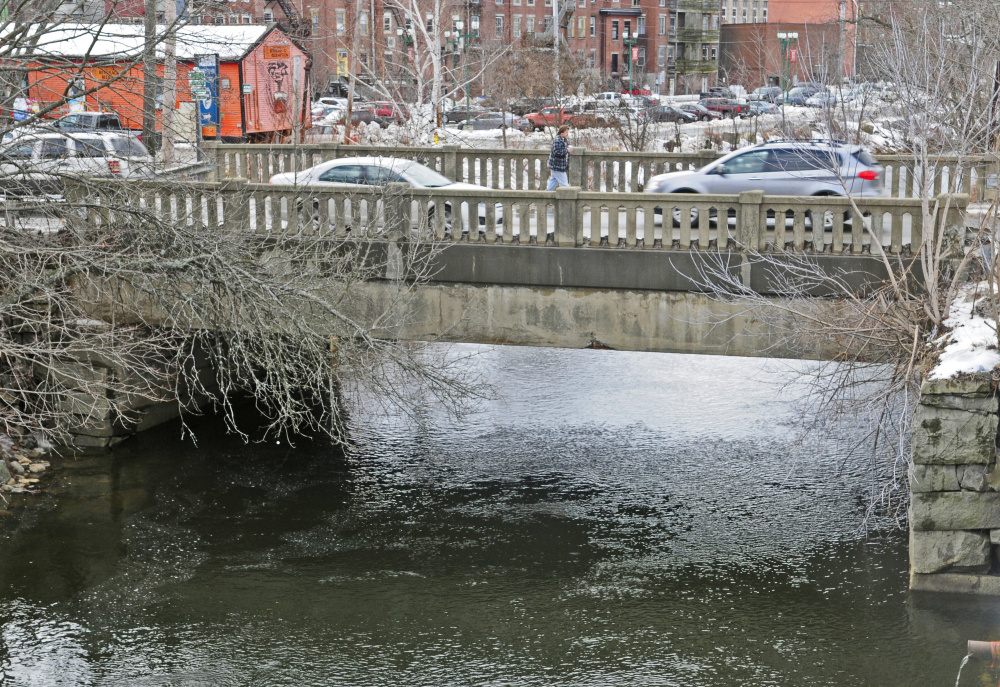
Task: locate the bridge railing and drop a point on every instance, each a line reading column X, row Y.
column 510, row 169
column 567, row 217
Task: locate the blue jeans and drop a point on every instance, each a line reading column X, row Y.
column 556, row 179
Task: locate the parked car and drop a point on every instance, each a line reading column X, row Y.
column 461, row 114
column 799, row 94
column 759, row 107
column 387, row 110
column 670, row 113
column 771, row 94
column 550, row 116
column 36, row 161
column 700, row 111
column 717, row 92
column 89, row 121
column 340, row 102
column 365, row 172
column 496, row 120
column 726, row 107
column 822, row 98
column 786, row 168
column 364, row 117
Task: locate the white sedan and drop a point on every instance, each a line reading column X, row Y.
column 362, row 172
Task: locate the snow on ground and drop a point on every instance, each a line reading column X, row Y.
column 971, row 345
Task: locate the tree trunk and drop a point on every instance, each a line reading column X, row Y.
column 149, row 78
column 169, row 81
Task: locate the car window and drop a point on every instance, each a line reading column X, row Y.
column 425, row 177
column 88, row 146
column 380, row 176
column 344, row 174
column 865, row 158
column 19, row 152
column 55, row 148
column 127, row 146
column 67, row 121
column 108, row 122
column 799, row 160
column 748, row 163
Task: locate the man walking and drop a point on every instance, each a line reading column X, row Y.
column 559, row 159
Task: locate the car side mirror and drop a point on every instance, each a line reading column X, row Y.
column 721, row 170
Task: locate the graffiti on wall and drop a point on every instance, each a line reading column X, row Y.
column 276, row 76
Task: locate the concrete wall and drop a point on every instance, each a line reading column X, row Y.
column 954, row 483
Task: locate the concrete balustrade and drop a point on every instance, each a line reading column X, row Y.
column 611, row 171
column 568, row 217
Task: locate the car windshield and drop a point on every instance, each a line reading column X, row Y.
column 424, row 176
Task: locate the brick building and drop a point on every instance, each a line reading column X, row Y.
column 751, row 53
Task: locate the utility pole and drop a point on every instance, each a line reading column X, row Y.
column 149, row 77
column 555, row 43
column 169, row 80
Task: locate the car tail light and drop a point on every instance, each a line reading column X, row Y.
column 114, row 166
column 868, row 175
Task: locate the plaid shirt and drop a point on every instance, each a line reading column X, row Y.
column 559, row 157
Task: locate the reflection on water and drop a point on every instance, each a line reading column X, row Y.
column 615, row 519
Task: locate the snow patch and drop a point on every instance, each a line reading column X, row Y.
column 971, row 345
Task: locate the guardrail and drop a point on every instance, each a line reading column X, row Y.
column 567, row 217
column 617, row 171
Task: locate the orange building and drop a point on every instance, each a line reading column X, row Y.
column 263, row 81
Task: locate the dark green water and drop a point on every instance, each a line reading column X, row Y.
column 615, row 519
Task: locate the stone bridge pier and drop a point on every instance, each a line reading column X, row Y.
column 955, row 489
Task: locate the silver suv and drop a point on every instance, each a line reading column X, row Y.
column 783, row 168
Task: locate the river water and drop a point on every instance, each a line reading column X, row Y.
column 610, row 519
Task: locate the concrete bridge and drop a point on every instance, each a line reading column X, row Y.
column 632, row 271
column 572, row 268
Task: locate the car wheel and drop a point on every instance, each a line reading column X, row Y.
column 694, row 212
column 704, row 118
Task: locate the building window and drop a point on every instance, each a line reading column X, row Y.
column 583, row 3
column 247, row 19
column 220, row 20
column 663, row 3
column 670, row 53
column 548, row 24
column 673, row 22
column 744, row 15
column 430, row 22
column 592, row 59
column 499, row 25
column 390, row 43
column 642, row 59
column 765, row 15
column 593, row 26
column 517, row 26
column 475, row 26
column 715, row 22
column 570, row 29
column 614, row 30
column 581, row 26
column 635, row 3
column 704, row 51
column 642, row 25
column 531, row 25
column 548, row 3
column 754, row 15
column 531, row 3
column 628, row 29
column 517, row 2
column 341, row 22
column 268, row 16
column 661, row 56
column 363, row 19
column 662, row 28
column 386, row 23
column 234, row 19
